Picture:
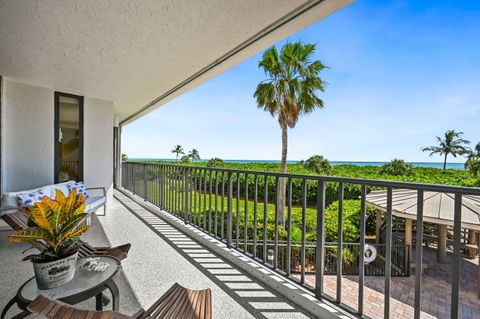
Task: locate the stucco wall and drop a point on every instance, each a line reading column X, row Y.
column 98, row 143
column 28, row 138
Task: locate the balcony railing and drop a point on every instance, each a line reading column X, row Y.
column 240, row 208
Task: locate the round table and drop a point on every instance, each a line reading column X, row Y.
column 84, row 285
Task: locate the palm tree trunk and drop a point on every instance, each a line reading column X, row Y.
column 445, row 161
column 282, row 181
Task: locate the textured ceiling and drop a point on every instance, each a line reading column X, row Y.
column 132, row 52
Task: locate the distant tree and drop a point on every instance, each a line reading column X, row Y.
column 451, row 143
column 124, row 157
column 290, row 90
column 317, row 164
column 177, row 149
column 475, row 152
column 185, row 159
column 194, row 155
column 473, row 161
column 397, row 167
column 473, row 165
column 215, row 162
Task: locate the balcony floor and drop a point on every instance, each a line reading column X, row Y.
column 161, row 255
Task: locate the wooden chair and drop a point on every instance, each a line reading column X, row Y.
column 177, row 303
column 19, row 220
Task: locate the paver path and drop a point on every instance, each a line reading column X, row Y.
column 436, row 291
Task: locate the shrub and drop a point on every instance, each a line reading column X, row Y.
column 317, row 164
column 397, row 167
column 185, row 159
column 215, row 162
column 351, row 221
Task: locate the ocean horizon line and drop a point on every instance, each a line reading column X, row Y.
column 450, row 165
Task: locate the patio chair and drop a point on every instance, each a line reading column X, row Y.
column 178, row 302
column 19, row 220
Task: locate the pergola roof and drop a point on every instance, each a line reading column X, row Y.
column 438, row 207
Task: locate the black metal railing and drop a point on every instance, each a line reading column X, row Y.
column 241, row 208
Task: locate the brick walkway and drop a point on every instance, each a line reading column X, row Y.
column 436, row 291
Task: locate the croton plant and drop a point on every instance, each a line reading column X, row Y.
column 56, row 224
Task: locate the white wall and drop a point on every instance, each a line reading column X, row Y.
column 28, row 150
column 98, row 143
column 28, row 138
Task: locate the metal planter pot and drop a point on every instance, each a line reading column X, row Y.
column 55, row 273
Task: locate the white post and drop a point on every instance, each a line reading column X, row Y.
column 408, row 240
column 472, row 252
column 378, row 222
column 442, row 244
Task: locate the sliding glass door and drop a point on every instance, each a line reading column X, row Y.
column 68, row 137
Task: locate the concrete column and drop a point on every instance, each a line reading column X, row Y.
column 442, row 244
column 378, row 222
column 408, row 240
column 117, row 156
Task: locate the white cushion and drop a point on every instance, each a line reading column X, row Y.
column 31, row 197
column 10, row 199
column 61, row 186
column 80, row 187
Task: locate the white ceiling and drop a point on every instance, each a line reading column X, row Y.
column 133, row 52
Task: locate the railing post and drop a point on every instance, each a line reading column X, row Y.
column 361, row 262
column 340, row 242
column 134, row 186
column 275, row 235
column 229, row 209
column 186, row 190
column 160, row 184
column 457, row 228
column 145, row 197
column 320, row 244
column 388, row 253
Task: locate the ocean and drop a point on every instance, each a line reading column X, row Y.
column 358, row 163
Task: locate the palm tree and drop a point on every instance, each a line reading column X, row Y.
column 473, row 161
column 289, row 91
column 194, row 155
column 452, row 143
column 475, row 152
column 473, row 165
column 177, row 149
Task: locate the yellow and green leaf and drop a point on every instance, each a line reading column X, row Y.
column 30, row 234
column 79, row 231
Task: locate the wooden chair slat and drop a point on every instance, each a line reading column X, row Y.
column 163, row 307
column 177, row 302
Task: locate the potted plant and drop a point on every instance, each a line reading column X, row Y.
column 56, row 224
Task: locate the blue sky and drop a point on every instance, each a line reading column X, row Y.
column 400, row 72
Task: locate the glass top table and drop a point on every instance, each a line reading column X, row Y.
column 84, row 285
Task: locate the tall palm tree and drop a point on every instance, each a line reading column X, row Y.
column 177, row 149
column 289, row 91
column 194, row 155
column 451, row 143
